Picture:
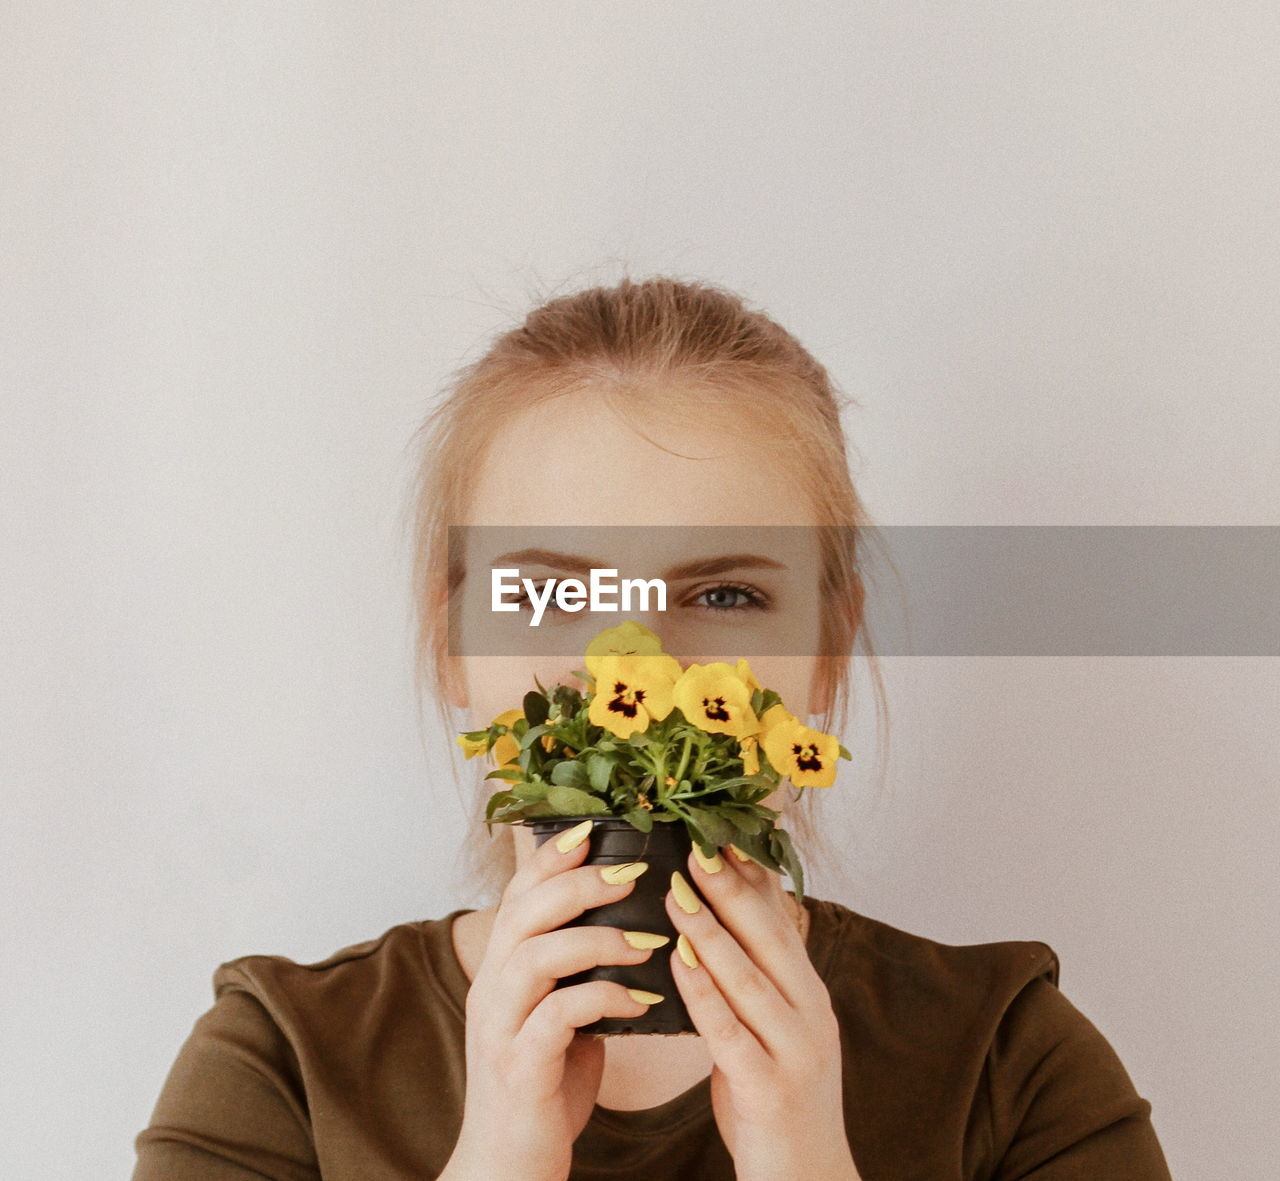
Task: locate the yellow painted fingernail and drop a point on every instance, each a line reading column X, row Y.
column 685, row 948
column 711, row 864
column 645, row 939
column 571, row 838
column 686, row 899
column 645, row 998
column 738, row 853
column 619, row 875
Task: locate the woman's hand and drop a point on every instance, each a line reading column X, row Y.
column 767, row 1020
column 532, row 1079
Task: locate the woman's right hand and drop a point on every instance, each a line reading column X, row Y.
column 532, row 1079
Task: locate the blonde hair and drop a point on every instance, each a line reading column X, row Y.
column 632, row 344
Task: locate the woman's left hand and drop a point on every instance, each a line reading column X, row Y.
column 767, row 1020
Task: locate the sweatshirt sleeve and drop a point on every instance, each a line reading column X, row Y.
column 1063, row 1107
column 232, row 1107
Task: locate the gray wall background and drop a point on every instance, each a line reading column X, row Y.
column 243, row 243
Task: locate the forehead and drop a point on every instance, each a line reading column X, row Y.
column 577, row 461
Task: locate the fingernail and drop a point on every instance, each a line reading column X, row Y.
column 645, row 998
column 711, row 864
column 645, row 939
column 685, row 948
column 571, row 838
column 738, row 853
column 619, row 875
column 686, row 899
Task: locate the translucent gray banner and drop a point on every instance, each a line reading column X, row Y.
column 928, row 590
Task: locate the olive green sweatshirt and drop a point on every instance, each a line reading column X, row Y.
column 959, row 1062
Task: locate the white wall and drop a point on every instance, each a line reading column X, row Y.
column 243, row 243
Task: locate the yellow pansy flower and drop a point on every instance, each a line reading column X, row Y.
column 716, row 699
column 632, row 690
column 805, row 756
column 748, row 677
column 506, row 749
column 472, row 746
column 775, row 715
column 627, row 639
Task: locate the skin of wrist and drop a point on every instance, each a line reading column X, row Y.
column 802, row 1167
column 785, row 1156
column 475, row 1161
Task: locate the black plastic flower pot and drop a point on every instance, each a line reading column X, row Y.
column 665, row 849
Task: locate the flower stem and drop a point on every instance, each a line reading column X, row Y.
column 691, row 795
column 684, row 758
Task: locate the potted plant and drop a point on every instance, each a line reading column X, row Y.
column 662, row 757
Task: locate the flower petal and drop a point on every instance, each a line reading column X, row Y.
column 627, row 639
column 714, row 698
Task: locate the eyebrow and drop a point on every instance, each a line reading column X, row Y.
column 698, row 568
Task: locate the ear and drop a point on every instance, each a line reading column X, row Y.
column 454, row 676
column 455, row 682
column 821, row 690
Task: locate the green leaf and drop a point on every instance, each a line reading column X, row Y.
column 499, row 799
column 640, row 819
column 535, row 708
column 522, row 811
column 534, row 789
column 570, row 773
column 844, row 754
column 532, row 735
column 768, row 699
column 695, row 833
column 717, row 830
column 785, row 854
column 755, row 846
column 746, row 822
column 569, row 801
column 505, row 773
column 599, row 772
column 736, row 781
column 568, row 699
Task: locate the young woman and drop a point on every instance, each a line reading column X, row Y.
column 829, row 1045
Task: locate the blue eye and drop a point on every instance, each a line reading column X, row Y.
column 733, row 596
column 725, row 596
column 523, row 602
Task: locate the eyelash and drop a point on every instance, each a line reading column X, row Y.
column 757, row 600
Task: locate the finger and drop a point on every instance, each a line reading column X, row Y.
column 756, row 915
column 768, row 880
column 752, row 995
column 754, row 871
column 540, row 1046
column 552, row 902
column 558, row 853
column 538, row 963
column 548, row 906
column 733, row 1046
